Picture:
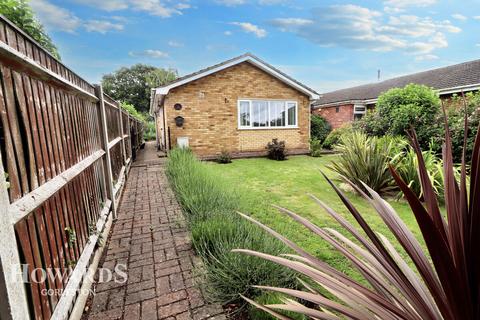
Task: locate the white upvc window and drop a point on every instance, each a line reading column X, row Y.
column 267, row 114
column 359, row 111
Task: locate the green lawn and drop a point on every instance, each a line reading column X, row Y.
column 262, row 182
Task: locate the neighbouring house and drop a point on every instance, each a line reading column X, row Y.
column 236, row 106
column 346, row 105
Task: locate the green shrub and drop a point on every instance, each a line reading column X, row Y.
column 276, row 150
column 334, row 136
column 133, row 111
column 150, row 133
column 319, row 128
column 456, row 117
column 365, row 159
column 210, row 207
column 399, row 109
column 315, row 148
column 224, row 157
column 406, row 164
column 407, row 168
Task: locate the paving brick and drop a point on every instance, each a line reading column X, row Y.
column 171, row 297
column 149, row 310
column 163, row 285
column 140, row 296
column 114, row 314
column 173, row 309
column 132, row 312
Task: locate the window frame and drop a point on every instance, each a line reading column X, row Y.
column 359, row 114
column 268, row 127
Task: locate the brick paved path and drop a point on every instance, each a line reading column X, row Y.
column 150, row 237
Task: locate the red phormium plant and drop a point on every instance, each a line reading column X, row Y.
column 446, row 282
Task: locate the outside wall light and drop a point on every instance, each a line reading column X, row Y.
column 179, row 121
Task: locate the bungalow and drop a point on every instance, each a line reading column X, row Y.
column 238, row 106
column 347, row 105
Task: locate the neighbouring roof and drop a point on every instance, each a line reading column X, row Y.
column 248, row 57
column 452, row 79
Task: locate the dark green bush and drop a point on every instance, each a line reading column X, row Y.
column 333, row 137
column 224, row 157
column 210, row 207
column 319, row 128
column 276, row 150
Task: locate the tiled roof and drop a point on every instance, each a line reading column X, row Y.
column 192, row 75
column 463, row 74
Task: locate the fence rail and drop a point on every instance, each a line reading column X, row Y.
column 65, row 150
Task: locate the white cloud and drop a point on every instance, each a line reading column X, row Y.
column 251, row 28
column 231, row 3
column 477, row 45
column 161, row 8
column 356, row 27
column 408, row 3
column 59, row 19
column 101, row 26
column 426, row 57
column 414, row 26
column 175, row 44
column 228, row 33
column 54, row 17
column 107, row 5
column 149, row 53
column 393, row 10
column 459, row 16
column 476, row 17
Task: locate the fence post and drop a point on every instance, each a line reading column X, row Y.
column 129, row 132
column 13, row 303
column 106, row 159
column 120, row 114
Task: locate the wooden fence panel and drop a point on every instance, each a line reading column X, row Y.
column 57, row 173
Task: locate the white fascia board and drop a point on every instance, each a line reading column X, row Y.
column 165, row 90
column 459, row 89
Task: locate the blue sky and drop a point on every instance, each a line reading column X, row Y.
column 325, row 44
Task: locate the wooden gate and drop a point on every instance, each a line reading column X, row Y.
column 65, row 151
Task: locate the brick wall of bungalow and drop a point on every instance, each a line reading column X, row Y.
column 337, row 116
column 209, row 107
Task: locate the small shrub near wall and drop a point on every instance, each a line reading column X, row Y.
column 315, row 148
column 224, row 157
column 210, row 208
column 276, row 150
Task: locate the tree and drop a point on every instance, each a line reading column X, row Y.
column 133, row 84
column 22, row 15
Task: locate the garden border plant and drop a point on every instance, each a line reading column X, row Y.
column 209, row 206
